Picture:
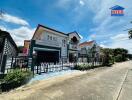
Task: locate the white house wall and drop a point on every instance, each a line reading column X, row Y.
column 71, row 35
column 56, row 42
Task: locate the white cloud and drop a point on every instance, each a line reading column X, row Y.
column 102, row 45
column 120, row 37
column 127, row 44
column 64, row 4
column 102, row 42
column 20, row 34
column 92, row 37
column 3, row 28
column 82, row 2
column 119, row 41
column 111, row 29
column 13, row 19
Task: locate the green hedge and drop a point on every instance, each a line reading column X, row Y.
column 15, row 79
column 82, row 67
column 118, row 58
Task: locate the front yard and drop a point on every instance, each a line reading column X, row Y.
column 102, row 83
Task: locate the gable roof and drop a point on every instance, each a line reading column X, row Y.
column 75, row 32
column 89, row 43
column 117, row 7
column 39, row 25
column 5, row 34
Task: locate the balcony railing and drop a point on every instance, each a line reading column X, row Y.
column 73, row 46
column 48, row 43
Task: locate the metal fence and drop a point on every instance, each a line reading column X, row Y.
column 51, row 67
column 22, row 63
column 27, row 63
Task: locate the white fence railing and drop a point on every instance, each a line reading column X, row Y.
column 51, row 67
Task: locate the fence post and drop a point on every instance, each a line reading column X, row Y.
column 3, row 63
column 46, row 67
column 11, row 62
column 40, row 69
column 62, row 63
column 37, row 69
column 32, row 64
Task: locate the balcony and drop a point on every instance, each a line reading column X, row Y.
column 73, row 46
column 48, row 43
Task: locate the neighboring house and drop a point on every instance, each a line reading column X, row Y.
column 26, row 47
column 50, row 45
column 88, row 50
column 8, row 49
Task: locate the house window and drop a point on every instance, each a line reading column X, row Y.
column 63, row 43
column 48, row 38
column 55, row 38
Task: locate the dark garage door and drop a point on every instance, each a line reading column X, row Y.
column 47, row 56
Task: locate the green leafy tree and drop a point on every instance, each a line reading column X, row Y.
column 130, row 34
column 120, row 54
column 107, row 56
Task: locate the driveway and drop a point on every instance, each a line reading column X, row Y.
column 108, row 83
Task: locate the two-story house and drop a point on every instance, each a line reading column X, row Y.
column 50, row 45
column 88, row 50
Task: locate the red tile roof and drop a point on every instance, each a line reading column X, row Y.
column 89, row 43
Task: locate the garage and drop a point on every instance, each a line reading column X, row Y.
column 47, row 56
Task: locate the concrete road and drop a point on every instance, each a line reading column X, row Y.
column 110, row 83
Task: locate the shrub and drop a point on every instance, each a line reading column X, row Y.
column 118, row 58
column 82, row 67
column 108, row 60
column 15, row 79
column 111, row 60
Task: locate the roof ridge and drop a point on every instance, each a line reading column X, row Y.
column 86, row 43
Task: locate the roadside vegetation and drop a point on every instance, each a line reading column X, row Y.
column 107, row 58
column 15, row 79
column 130, row 32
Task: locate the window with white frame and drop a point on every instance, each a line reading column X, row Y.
column 63, row 43
column 48, row 37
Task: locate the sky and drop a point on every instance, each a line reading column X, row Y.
column 90, row 18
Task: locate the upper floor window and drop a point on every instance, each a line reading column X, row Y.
column 55, row 38
column 48, row 37
column 63, row 42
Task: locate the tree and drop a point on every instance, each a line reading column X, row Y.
column 120, row 54
column 130, row 34
column 107, row 56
